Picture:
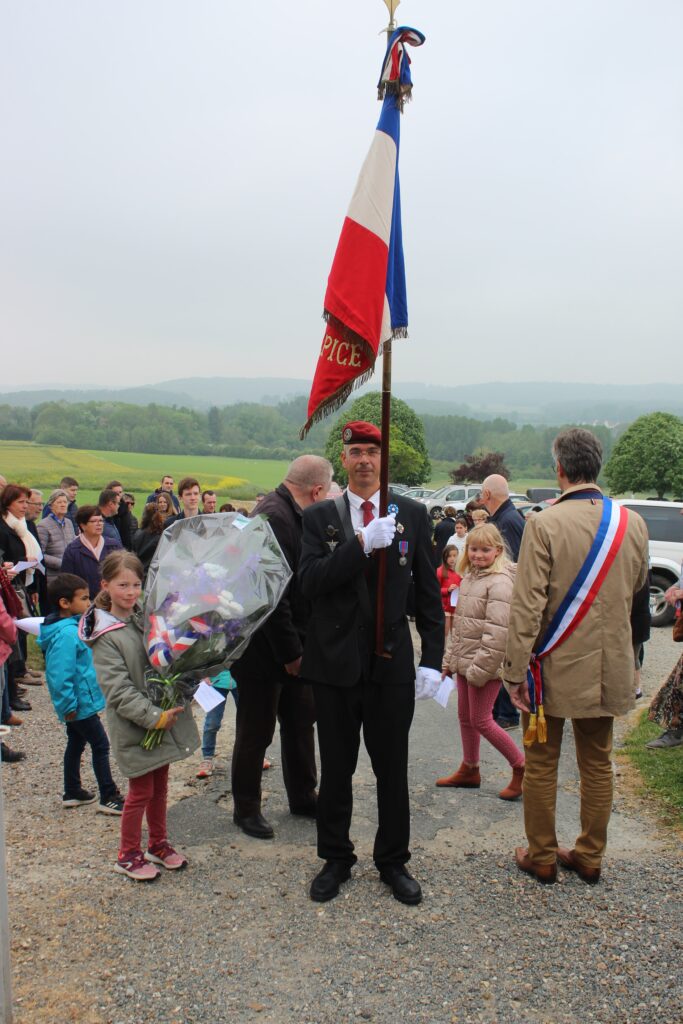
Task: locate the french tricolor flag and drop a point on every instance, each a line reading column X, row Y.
column 365, row 301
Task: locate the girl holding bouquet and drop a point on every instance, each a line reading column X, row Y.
column 113, row 628
column 474, row 656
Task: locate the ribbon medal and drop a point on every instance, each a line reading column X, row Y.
column 403, row 549
column 392, row 510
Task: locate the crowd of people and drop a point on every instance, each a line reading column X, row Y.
column 500, row 605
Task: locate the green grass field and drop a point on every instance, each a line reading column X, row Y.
column 43, row 466
column 660, row 770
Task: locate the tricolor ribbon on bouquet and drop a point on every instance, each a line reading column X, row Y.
column 365, row 302
column 575, row 606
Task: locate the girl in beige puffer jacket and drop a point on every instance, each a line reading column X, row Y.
column 474, row 656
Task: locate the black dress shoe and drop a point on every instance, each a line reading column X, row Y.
column 404, row 887
column 325, row 885
column 254, row 825
column 21, row 691
column 19, row 705
column 11, row 756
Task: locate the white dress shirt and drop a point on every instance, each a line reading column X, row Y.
column 357, row 512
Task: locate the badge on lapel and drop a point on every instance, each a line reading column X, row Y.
column 333, row 534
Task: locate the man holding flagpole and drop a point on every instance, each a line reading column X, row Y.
column 353, row 686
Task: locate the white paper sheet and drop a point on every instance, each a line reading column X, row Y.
column 445, row 690
column 207, row 697
column 454, row 596
column 20, row 566
column 30, row 625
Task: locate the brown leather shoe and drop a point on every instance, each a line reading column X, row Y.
column 466, row 777
column 544, row 873
column 14, row 720
column 568, row 860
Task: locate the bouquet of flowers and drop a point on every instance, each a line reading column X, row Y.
column 213, row 581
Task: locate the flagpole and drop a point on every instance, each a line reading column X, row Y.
column 384, row 457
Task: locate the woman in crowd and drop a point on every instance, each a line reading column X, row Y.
column 84, row 555
column 19, row 543
column 164, row 506
column 443, row 531
column 55, row 532
column 147, row 537
column 667, row 704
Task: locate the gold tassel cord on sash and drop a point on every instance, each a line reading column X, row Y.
column 530, row 734
column 542, row 729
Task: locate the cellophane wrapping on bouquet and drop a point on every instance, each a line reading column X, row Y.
column 213, row 581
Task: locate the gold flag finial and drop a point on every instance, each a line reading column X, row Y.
column 391, row 7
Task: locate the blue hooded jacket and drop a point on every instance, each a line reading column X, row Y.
column 69, row 669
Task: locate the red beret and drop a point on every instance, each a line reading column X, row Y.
column 360, row 432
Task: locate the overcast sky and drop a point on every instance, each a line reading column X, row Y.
column 175, row 175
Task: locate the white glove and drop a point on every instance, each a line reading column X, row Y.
column 427, row 682
column 378, row 534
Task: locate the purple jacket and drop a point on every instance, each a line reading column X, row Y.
column 80, row 560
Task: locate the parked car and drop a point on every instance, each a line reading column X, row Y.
column 664, row 521
column 398, row 488
column 537, row 494
column 417, row 492
column 455, row 495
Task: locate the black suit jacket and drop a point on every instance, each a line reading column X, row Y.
column 280, row 639
column 340, row 581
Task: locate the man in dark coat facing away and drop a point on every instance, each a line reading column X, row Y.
column 353, row 687
column 267, row 674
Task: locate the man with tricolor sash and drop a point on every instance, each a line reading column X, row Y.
column 569, row 652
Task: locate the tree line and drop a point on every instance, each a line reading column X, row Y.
column 251, row 430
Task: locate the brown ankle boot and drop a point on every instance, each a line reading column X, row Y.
column 466, row 777
column 513, row 791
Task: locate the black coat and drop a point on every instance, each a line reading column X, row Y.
column 443, row 532
column 340, row 581
column 144, row 545
column 511, row 524
column 12, row 550
column 281, row 638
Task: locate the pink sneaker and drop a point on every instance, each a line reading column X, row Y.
column 164, row 854
column 136, row 867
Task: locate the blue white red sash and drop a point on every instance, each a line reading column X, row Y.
column 574, row 607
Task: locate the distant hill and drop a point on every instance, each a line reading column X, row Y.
column 522, row 402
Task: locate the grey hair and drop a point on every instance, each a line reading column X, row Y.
column 34, row 490
column 579, row 453
column 59, row 493
column 309, row 471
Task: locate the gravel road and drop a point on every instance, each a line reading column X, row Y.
column 236, row 939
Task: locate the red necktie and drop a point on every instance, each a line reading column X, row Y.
column 368, row 512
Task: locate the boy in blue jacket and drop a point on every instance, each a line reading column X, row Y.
column 75, row 693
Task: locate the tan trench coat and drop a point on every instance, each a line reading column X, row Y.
column 591, row 673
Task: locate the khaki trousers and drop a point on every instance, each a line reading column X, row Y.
column 593, row 741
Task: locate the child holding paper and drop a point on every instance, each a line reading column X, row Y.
column 449, row 581
column 225, row 684
column 113, row 629
column 474, row 655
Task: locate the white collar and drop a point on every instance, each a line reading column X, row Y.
column 355, row 500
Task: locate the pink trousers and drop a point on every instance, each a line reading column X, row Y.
column 146, row 795
column 475, row 712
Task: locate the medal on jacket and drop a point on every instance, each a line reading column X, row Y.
column 392, row 510
column 332, row 533
column 403, row 549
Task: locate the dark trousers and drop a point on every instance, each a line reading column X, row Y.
column 78, row 735
column 504, row 708
column 385, row 714
column 262, row 702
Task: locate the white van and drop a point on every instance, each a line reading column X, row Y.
column 664, row 521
